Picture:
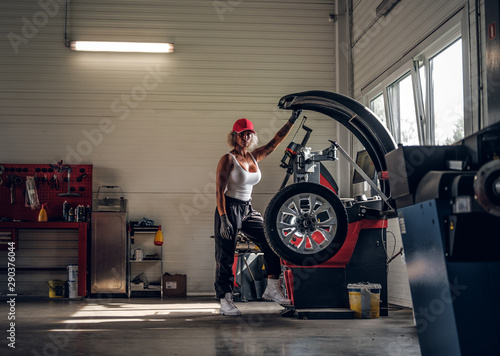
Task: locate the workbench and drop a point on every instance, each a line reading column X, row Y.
column 82, row 228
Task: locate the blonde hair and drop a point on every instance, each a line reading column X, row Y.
column 231, row 140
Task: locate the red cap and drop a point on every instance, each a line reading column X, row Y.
column 243, row 125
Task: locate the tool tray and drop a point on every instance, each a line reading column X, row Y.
column 109, row 204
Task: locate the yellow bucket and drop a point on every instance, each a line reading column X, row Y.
column 56, row 288
column 364, row 300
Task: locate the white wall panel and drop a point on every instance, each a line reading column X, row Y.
column 397, row 278
column 156, row 124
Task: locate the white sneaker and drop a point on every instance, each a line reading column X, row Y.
column 227, row 306
column 275, row 293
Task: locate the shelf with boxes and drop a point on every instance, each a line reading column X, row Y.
column 145, row 260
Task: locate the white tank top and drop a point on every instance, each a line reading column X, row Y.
column 241, row 182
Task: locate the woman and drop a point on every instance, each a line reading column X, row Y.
column 237, row 173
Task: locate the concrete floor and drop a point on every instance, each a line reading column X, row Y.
column 192, row 326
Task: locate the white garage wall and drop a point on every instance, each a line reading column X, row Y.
column 156, row 124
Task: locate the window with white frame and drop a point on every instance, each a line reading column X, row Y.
column 446, row 99
column 400, row 99
column 377, row 106
column 424, row 104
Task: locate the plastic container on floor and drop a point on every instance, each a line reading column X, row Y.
column 72, row 273
column 364, row 300
column 56, row 288
column 72, row 290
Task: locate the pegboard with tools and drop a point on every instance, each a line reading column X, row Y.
column 52, row 186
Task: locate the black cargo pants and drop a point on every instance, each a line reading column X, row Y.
column 250, row 222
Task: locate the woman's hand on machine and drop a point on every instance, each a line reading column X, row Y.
column 295, row 116
column 226, row 229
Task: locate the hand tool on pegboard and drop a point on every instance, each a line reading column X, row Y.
column 82, row 176
column 55, row 182
column 12, row 181
column 61, row 168
column 32, row 193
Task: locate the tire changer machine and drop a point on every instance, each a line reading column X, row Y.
column 448, row 206
column 325, row 242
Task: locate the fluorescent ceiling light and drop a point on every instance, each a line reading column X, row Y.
column 122, row 47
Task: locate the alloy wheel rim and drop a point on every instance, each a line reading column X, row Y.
column 306, row 223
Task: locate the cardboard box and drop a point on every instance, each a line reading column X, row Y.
column 174, row 286
column 137, row 286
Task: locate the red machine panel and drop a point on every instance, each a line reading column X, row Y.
column 342, row 258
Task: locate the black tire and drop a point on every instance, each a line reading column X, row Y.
column 319, row 224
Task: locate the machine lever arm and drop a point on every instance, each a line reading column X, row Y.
column 329, row 154
column 363, row 174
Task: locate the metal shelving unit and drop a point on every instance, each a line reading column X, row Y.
column 142, row 237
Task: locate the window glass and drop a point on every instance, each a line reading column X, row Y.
column 377, row 106
column 441, row 94
column 402, row 108
column 447, row 94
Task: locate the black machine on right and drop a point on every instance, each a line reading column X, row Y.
column 448, row 203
